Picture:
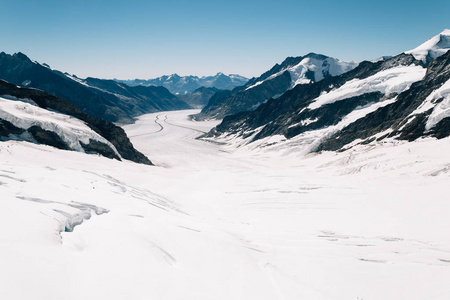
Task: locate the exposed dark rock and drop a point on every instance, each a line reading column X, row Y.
column 100, row 148
column 6, row 129
column 46, row 137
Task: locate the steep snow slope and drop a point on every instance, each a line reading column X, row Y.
column 215, row 223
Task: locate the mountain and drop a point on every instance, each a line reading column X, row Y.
column 182, row 85
column 103, row 99
column 200, row 97
column 273, row 83
column 136, row 100
column 36, row 116
column 433, row 48
column 396, row 98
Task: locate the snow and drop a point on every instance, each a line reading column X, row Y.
column 214, row 221
column 432, row 48
column 71, row 130
column 390, row 81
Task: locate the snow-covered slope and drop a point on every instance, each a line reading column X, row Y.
column 73, row 132
column 213, row 223
column 36, row 116
column 432, row 48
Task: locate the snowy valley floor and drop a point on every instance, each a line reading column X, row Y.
column 214, row 222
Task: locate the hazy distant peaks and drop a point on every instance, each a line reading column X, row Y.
column 182, row 85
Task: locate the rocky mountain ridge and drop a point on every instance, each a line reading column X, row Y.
column 404, row 97
column 273, row 83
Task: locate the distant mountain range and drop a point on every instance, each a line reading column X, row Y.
column 105, row 99
column 182, row 85
column 273, row 83
column 404, row 97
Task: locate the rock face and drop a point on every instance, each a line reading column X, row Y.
column 393, row 98
column 103, row 99
column 111, row 133
column 183, row 85
column 273, row 83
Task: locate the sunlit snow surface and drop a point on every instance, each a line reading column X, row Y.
column 432, row 48
column 215, row 222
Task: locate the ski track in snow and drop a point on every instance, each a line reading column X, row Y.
column 214, row 221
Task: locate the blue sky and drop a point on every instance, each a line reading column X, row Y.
column 145, row 39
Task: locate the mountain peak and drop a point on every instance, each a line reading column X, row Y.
column 432, row 48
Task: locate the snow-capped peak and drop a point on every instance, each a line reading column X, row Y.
column 432, row 48
column 312, row 68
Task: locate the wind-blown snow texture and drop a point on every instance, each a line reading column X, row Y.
column 216, row 222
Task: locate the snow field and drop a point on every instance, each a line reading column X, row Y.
column 213, row 221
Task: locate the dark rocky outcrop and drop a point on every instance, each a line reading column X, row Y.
column 46, row 137
column 100, row 148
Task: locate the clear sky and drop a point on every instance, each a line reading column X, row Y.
column 146, row 39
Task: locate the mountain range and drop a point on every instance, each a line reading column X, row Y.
column 273, row 83
column 104, row 99
column 311, row 103
column 404, row 97
column 182, row 85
